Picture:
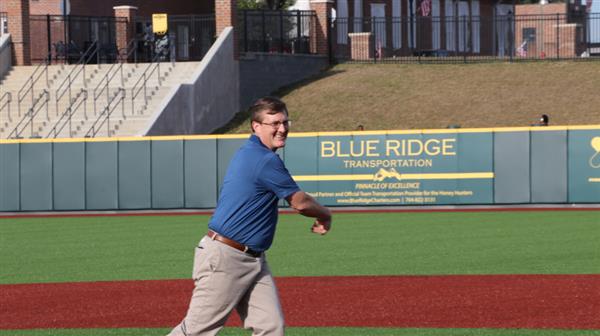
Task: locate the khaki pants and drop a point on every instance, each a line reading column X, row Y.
column 226, row 278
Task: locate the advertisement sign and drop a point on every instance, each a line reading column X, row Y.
column 397, row 168
column 584, row 166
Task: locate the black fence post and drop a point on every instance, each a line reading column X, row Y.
column 281, row 31
column 511, row 37
column 557, row 36
column 49, row 34
column 418, row 23
column 245, row 30
column 329, row 39
column 298, row 43
column 66, row 33
column 464, row 30
column 374, row 33
column 264, row 32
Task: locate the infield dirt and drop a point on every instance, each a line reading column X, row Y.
column 460, row 301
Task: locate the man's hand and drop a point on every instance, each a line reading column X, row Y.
column 308, row 206
column 321, row 226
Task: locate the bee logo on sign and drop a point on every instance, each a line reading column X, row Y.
column 383, row 174
column 159, row 24
column 595, row 159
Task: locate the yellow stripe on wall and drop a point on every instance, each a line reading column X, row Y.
column 371, row 177
column 314, row 134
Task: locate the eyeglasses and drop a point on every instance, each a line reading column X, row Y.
column 277, row 124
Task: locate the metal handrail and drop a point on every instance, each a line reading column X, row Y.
column 106, row 113
column 6, row 104
column 68, row 115
column 106, row 80
column 33, row 111
column 149, row 71
column 108, row 77
column 31, row 81
column 131, row 50
column 79, row 67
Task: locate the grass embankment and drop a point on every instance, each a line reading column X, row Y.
column 399, row 96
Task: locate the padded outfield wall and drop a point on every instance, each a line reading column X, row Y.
column 553, row 165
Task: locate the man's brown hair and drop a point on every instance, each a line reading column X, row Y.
column 271, row 105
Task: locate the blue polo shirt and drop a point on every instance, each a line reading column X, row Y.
column 247, row 208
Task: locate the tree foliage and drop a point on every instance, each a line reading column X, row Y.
column 265, row 4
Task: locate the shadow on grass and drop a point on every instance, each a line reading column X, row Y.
column 244, row 116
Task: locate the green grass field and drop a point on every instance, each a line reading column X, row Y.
column 36, row 250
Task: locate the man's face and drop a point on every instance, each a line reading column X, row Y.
column 272, row 130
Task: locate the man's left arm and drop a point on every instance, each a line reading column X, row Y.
column 307, row 206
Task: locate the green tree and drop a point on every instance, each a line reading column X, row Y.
column 248, row 4
column 265, row 4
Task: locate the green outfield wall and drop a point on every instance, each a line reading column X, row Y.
column 551, row 165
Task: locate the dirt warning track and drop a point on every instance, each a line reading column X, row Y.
column 461, row 301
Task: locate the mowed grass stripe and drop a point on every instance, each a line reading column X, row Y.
column 160, row 247
column 312, row 332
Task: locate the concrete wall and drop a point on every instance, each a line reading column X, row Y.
column 262, row 74
column 209, row 100
column 223, row 86
column 5, row 55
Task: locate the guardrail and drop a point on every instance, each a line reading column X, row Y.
column 44, row 97
column 28, row 86
column 5, row 101
column 66, row 84
column 143, row 81
column 110, row 74
column 104, row 117
column 66, row 117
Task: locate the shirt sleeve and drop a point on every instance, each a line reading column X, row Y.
column 275, row 177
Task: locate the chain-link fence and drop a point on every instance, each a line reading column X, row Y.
column 465, row 38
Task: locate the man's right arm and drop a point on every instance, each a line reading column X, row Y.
column 307, row 206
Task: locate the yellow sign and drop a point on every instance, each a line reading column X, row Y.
column 159, row 24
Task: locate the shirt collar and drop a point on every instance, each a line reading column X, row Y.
column 256, row 140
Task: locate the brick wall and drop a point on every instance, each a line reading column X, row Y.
column 125, row 33
column 558, row 8
column 361, row 46
column 43, row 7
column 18, row 27
column 105, row 7
column 554, row 37
column 226, row 16
column 319, row 32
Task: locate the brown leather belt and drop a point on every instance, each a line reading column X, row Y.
column 241, row 247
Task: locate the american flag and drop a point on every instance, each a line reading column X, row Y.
column 588, row 5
